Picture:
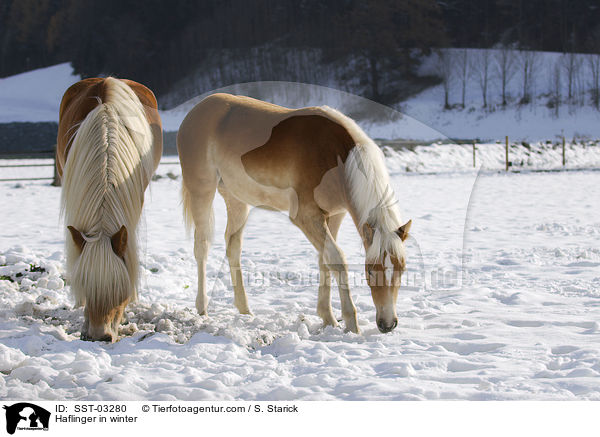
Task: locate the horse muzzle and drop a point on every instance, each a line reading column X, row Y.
column 385, row 327
column 98, row 333
column 106, row 337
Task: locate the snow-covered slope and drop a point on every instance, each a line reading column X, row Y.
column 377, row 120
column 35, row 96
column 527, row 122
column 422, row 117
column 536, row 121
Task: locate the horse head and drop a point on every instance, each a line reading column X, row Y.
column 383, row 274
column 102, row 282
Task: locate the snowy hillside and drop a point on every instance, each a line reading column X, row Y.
column 35, row 96
column 536, row 121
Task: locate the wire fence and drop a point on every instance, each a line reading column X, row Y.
column 407, row 156
column 39, row 167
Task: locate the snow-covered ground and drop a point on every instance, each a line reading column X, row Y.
column 442, row 157
column 501, row 301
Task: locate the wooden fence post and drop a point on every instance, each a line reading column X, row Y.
column 56, row 181
column 563, row 153
column 506, row 155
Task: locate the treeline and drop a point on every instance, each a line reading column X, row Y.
column 160, row 42
column 542, row 25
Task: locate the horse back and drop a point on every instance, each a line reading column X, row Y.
column 150, row 104
column 268, row 131
column 258, row 146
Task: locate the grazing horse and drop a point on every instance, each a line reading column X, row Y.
column 315, row 163
column 109, row 145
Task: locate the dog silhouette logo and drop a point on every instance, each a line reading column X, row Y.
column 26, row 416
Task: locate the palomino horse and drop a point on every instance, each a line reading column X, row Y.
column 109, row 145
column 315, row 163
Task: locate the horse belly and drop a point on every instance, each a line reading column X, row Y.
column 248, row 190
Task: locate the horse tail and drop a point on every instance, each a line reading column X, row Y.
column 186, row 200
column 189, row 206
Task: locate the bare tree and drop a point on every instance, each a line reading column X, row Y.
column 530, row 62
column 571, row 65
column 505, row 66
column 594, row 64
column 462, row 67
column 593, row 46
column 444, row 70
column 555, row 88
column 481, row 67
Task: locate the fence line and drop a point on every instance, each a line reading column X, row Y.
column 25, row 165
column 474, row 143
column 42, row 155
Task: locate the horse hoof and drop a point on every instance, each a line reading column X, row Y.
column 354, row 329
column 331, row 322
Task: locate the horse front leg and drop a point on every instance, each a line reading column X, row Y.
column 312, row 222
column 336, row 261
column 324, row 309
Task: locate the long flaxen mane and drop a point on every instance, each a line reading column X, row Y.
column 108, row 166
column 369, row 192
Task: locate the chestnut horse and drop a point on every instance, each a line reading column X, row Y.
column 109, row 145
column 315, row 163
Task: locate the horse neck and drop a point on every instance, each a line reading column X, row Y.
column 371, row 200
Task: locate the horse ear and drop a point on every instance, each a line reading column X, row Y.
column 77, row 237
column 402, row 231
column 368, row 232
column 119, row 241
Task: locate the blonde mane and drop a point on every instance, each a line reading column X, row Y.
column 107, row 169
column 369, row 191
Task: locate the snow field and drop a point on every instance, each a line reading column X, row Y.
column 521, row 323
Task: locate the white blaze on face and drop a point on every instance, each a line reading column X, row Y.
column 388, row 268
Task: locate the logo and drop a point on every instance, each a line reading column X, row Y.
column 25, row 416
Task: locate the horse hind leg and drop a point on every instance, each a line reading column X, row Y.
column 237, row 215
column 198, row 199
